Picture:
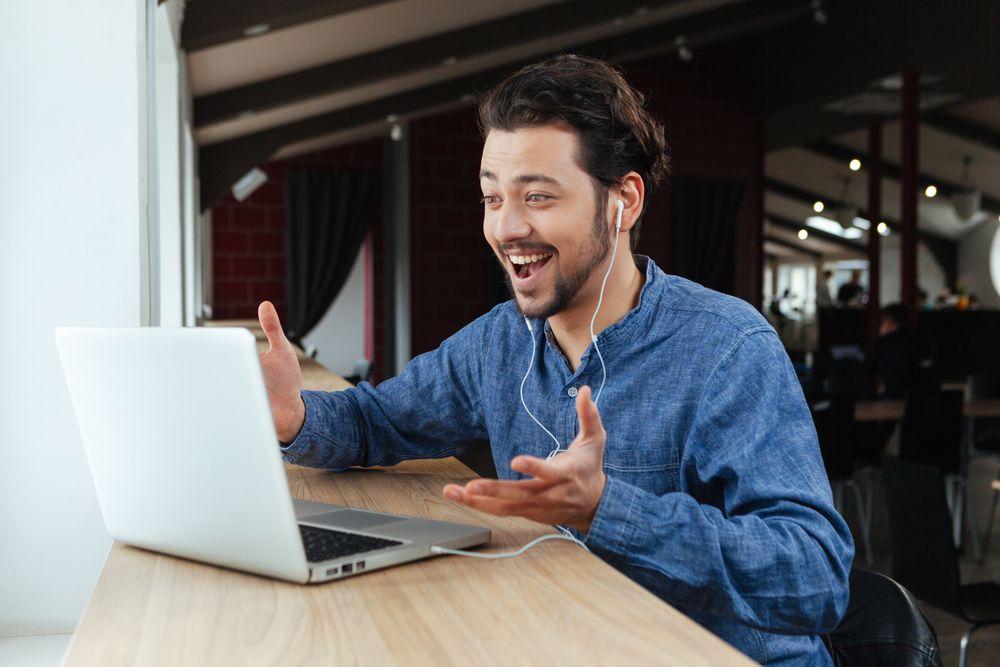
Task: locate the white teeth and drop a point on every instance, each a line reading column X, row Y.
column 527, row 259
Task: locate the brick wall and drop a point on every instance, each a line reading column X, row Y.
column 248, row 237
column 452, row 270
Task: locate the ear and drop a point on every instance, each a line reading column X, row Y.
column 632, row 193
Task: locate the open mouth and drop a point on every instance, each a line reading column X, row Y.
column 527, row 266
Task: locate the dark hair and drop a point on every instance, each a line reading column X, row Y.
column 617, row 134
column 895, row 312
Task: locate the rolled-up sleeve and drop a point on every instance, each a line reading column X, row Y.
column 753, row 534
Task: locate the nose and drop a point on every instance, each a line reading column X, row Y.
column 510, row 225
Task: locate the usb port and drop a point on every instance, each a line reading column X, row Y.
column 348, row 568
column 332, row 571
column 360, row 565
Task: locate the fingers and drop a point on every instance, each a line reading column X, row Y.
column 271, row 325
column 499, row 506
column 535, row 467
column 589, row 417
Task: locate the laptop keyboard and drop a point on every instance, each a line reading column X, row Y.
column 324, row 543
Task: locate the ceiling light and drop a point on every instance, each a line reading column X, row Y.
column 818, row 206
column 845, row 215
column 819, row 13
column 883, row 229
column 396, row 132
column 803, row 235
column 248, row 183
column 854, row 164
column 967, row 204
column 930, row 190
column 683, row 50
column 966, row 200
column 256, row 29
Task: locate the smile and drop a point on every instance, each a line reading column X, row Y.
column 525, row 269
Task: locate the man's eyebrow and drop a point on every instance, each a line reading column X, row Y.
column 523, row 179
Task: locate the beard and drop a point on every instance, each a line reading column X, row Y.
column 566, row 287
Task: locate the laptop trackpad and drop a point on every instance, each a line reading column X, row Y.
column 351, row 519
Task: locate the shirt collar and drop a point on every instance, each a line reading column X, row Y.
column 637, row 318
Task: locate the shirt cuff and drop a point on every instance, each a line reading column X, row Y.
column 613, row 526
column 299, row 447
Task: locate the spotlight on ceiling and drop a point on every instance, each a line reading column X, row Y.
column 803, row 235
column 819, row 12
column 883, row 229
column 818, row 206
column 256, row 29
column 683, row 50
column 854, row 164
column 931, row 191
column 249, row 182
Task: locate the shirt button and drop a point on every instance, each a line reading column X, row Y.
column 572, row 392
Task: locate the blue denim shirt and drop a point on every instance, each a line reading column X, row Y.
column 716, row 497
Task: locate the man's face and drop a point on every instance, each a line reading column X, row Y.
column 541, row 216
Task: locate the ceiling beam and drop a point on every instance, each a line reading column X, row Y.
column 791, row 225
column 793, row 246
column 963, row 129
column 411, row 57
column 221, row 164
column 213, row 22
column 844, row 154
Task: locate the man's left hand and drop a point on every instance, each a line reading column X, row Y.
column 564, row 490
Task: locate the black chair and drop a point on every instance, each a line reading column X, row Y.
column 986, row 433
column 834, row 421
column 882, row 626
column 362, row 371
column 924, row 558
column 931, row 434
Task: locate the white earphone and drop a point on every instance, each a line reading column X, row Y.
column 604, row 371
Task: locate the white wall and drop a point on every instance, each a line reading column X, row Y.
column 72, row 204
column 339, row 336
column 930, row 276
column 974, row 262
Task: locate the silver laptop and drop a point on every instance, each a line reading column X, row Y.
column 185, row 459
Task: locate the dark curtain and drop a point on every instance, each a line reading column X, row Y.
column 704, row 216
column 329, row 213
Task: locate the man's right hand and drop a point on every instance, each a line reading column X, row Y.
column 282, row 376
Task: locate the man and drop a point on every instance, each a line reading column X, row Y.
column 850, row 293
column 823, row 297
column 700, row 477
column 900, row 359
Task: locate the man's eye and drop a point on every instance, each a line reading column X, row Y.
column 489, row 199
column 535, row 197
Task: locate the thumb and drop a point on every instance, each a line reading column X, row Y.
column 271, row 325
column 588, row 416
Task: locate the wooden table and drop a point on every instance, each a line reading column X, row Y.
column 892, row 410
column 314, row 374
column 556, row 604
